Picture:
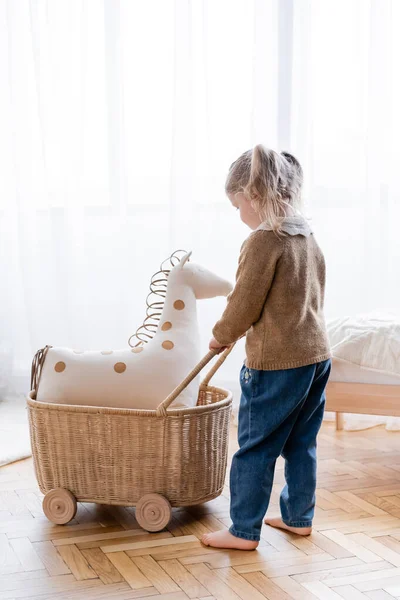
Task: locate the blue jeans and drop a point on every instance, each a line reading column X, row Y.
column 280, row 414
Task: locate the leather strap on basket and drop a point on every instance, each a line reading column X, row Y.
column 37, row 366
column 162, row 408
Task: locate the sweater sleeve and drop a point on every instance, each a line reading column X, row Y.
column 257, row 262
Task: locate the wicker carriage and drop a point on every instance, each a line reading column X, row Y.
column 151, row 459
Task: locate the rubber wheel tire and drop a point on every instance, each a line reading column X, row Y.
column 153, row 512
column 59, row 506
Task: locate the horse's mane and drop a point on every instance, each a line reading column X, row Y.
column 155, row 300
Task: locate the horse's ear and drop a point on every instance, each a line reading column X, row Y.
column 185, row 259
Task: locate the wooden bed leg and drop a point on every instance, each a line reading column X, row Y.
column 339, row 421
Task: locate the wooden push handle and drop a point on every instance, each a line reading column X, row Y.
column 162, row 408
column 223, row 356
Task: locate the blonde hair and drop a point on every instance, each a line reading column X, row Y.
column 271, row 181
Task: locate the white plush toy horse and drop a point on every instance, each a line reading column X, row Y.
column 143, row 376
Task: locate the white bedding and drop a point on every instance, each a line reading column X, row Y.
column 366, row 348
column 348, row 372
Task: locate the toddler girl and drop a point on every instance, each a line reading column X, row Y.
column 278, row 300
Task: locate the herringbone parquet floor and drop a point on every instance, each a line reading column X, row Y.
column 353, row 553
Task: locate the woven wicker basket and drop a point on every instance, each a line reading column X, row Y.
column 151, row 459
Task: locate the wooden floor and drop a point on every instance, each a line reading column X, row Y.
column 353, row 553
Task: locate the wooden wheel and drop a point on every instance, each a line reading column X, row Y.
column 153, row 512
column 59, row 506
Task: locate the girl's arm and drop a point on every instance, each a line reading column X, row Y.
column 257, row 263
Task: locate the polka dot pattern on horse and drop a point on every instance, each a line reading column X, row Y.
column 119, row 367
column 168, row 345
column 60, row 366
column 166, row 326
column 137, row 350
column 106, row 352
column 179, row 305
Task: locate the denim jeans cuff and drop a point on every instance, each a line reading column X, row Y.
column 298, row 523
column 245, row 536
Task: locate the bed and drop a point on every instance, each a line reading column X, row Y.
column 355, row 389
column 365, row 377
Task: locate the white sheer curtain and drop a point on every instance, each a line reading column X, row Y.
column 119, row 120
column 346, row 128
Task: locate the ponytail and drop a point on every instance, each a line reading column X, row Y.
column 271, row 181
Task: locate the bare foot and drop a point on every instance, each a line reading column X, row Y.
column 224, row 539
column 277, row 522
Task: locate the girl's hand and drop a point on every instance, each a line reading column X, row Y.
column 214, row 345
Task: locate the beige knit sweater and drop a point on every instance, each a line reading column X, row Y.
column 278, row 300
